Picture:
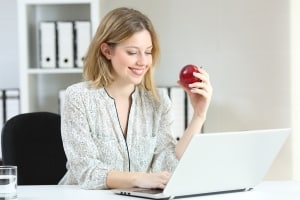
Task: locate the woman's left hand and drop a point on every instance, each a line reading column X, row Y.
column 199, row 93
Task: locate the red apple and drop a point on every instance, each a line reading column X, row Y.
column 186, row 74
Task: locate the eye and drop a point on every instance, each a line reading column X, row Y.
column 148, row 52
column 131, row 52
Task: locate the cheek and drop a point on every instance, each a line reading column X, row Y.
column 149, row 61
column 120, row 61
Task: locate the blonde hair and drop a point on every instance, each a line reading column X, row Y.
column 117, row 26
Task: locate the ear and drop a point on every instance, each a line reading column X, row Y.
column 106, row 50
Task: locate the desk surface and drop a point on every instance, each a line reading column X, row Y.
column 269, row 190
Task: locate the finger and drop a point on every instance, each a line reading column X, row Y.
column 164, row 176
column 203, row 71
column 160, row 186
column 166, row 173
column 203, row 77
column 202, row 89
column 200, row 92
column 199, row 85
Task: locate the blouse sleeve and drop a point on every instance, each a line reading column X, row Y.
column 164, row 157
column 82, row 154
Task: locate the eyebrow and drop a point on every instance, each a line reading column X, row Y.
column 135, row 47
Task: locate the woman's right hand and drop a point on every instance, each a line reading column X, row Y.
column 156, row 180
column 118, row 179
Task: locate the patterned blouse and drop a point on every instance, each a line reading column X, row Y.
column 94, row 142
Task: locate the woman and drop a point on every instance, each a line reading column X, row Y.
column 116, row 127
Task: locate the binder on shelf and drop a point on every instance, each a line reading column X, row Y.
column 82, row 38
column 190, row 110
column 61, row 100
column 177, row 96
column 47, row 44
column 9, row 106
column 2, row 108
column 164, row 90
column 65, row 45
column 12, row 103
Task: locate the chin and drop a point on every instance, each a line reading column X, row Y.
column 137, row 81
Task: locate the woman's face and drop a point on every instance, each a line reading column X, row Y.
column 132, row 58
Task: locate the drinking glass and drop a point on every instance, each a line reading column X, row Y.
column 8, row 182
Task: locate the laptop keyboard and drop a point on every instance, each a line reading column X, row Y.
column 150, row 191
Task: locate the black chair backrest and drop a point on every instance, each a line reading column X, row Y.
column 32, row 141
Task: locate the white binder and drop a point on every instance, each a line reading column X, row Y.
column 47, row 45
column 65, row 44
column 61, row 99
column 1, row 111
column 1, row 118
column 164, row 89
column 82, row 30
column 12, row 103
column 190, row 110
column 177, row 96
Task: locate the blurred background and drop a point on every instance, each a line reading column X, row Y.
column 247, row 47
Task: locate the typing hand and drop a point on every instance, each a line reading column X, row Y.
column 152, row 180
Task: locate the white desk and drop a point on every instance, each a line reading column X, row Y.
column 272, row 190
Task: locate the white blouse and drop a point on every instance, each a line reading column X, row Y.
column 94, row 142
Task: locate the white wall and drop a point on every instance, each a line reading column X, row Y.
column 9, row 71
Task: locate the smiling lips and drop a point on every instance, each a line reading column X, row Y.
column 137, row 71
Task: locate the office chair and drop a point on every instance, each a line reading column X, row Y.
column 32, row 141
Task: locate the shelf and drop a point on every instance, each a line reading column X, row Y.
column 39, row 2
column 40, row 87
column 55, row 71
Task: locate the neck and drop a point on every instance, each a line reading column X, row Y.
column 118, row 91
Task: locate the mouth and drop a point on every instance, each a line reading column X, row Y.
column 137, row 71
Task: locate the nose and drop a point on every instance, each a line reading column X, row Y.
column 142, row 60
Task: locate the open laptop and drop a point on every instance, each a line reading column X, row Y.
column 219, row 163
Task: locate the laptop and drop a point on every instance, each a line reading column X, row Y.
column 218, row 163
